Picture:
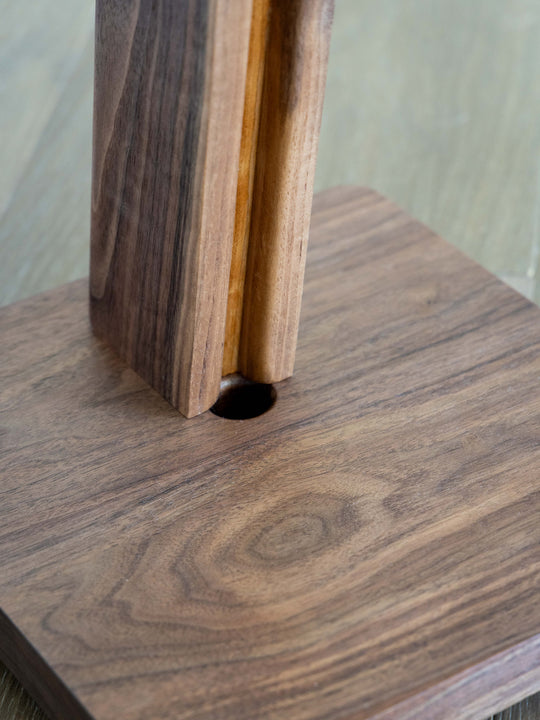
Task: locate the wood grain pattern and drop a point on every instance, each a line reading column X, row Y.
column 516, row 670
column 200, row 228
column 442, row 136
column 246, row 177
column 164, row 183
column 369, row 544
column 293, row 92
column 17, row 704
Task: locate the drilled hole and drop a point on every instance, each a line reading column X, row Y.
column 241, row 399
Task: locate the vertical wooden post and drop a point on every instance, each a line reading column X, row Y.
column 169, row 99
column 292, row 101
column 246, row 176
column 189, row 171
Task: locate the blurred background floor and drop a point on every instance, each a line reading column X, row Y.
column 435, row 103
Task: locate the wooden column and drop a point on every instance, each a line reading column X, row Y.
column 295, row 77
column 189, row 168
column 169, row 98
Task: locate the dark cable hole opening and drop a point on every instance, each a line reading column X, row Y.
column 241, row 399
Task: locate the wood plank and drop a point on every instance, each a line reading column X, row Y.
column 246, row 177
column 511, row 674
column 292, row 100
column 16, row 704
column 44, row 233
column 164, row 184
column 368, row 544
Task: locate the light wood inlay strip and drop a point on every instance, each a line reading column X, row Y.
column 246, row 175
column 293, row 93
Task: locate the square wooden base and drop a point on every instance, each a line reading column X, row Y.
column 368, row 548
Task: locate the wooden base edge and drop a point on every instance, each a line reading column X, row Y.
column 36, row 676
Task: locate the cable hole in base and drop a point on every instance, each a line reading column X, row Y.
column 242, row 399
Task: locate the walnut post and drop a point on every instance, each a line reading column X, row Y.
column 206, row 125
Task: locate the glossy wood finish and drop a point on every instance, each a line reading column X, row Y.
column 169, row 99
column 292, row 100
column 368, row 547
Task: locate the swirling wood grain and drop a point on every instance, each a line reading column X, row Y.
column 366, row 549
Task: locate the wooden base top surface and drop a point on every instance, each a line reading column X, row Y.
column 369, row 548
